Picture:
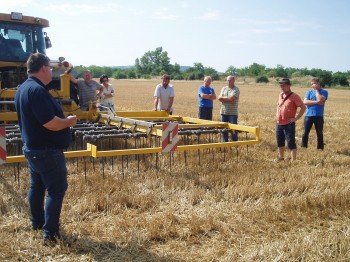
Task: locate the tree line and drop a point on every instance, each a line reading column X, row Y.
column 157, row 62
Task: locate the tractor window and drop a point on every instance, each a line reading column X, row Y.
column 18, row 41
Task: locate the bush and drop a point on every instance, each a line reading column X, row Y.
column 146, row 76
column 119, row 75
column 272, row 73
column 297, row 74
column 340, row 79
column 262, row 79
column 131, row 75
column 178, row 77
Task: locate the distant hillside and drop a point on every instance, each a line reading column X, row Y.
column 182, row 68
column 124, row 67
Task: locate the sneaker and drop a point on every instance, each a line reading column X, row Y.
column 52, row 241
column 37, row 228
column 279, row 159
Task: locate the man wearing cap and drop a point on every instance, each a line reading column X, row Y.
column 288, row 103
column 45, row 133
column 314, row 100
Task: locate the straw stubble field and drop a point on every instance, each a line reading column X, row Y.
column 231, row 205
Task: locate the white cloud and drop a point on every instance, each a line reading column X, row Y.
column 259, row 31
column 82, row 9
column 236, row 42
column 184, row 4
column 285, row 29
column 305, row 43
column 13, row 6
column 265, row 44
column 210, row 14
column 164, row 14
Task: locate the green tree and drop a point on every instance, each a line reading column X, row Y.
column 297, row 74
column 326, row 78
column 175, row 69
column 119, row 74
column 209, row 71
column 281, row 72
column 231, row 70
column 339, row 78
column 153, row 63
column 256, row 70
column 195, row 72
column 262, row 79
column 272, row 73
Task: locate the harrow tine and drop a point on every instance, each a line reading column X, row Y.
column 138, row 164
column 123, row 166
column 84, row 168
column 103, row 167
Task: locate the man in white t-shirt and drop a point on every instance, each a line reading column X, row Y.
column 164, row 95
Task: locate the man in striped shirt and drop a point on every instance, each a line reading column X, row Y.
column 229, row 97
column 88, row 90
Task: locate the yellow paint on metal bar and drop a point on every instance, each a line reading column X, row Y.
column 15, row 159
column 68, row 154
column 142, row 151
column 126, row 152
column 132, row 114
column 64, row 92
column 8, row 116
column 196, row 126
column 217, row 145
column 154, row 118
column 8, row 93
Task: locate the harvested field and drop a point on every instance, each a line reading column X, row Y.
column 230, row 205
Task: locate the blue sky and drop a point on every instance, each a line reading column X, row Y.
column 299, row 33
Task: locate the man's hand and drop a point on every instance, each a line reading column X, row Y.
column 72, row 120
column 316, row 87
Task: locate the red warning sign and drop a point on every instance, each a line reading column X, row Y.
column 170, row 137
column 2, row 145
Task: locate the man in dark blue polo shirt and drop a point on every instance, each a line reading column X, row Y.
column 45, row 134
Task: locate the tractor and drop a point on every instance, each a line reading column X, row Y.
column 21, row 36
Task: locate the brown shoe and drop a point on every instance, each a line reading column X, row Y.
column 52, row 241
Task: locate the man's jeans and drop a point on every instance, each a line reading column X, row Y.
column 233, row 120
column 284, row 132
column 205, row 113
column 308, row 122
column 47, row 172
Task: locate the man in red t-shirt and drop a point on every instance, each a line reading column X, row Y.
column 288, row 103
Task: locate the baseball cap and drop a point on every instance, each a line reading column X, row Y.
column 284, row 81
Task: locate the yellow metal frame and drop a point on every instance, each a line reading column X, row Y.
column 135, row 120
column 157, row 131
column 62, row 95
